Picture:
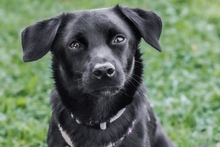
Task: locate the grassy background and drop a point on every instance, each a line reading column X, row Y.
column 183, row 81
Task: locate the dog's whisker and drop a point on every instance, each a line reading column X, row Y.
column 129, row 81
column 132, row 78
column 136, row 76
column 78, row 72
column 123, row 91
column 145, row 63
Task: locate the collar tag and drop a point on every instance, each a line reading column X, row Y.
column 103, row 126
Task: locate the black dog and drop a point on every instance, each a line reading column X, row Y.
column 98, row 98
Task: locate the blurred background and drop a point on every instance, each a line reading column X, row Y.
column 183, row 81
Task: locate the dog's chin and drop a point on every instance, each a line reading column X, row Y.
column 104, row 91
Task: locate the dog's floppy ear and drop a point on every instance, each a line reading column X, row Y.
column 147, row 23
column 37, row 39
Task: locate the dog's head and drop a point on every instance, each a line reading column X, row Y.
column 93, row 51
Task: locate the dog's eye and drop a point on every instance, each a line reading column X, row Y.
column 118, row 39
column 74, row 45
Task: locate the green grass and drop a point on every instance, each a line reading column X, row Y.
column 183, row 81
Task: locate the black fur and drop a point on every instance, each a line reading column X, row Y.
column 81, row 41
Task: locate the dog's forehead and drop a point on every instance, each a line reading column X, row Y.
column 107, row 13
column 96, row 19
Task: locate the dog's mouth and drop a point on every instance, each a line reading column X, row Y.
column 105, row 91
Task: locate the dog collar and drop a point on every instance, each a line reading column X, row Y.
column 65, row 136
column 102, row 125
column 122, row 138
column 111, row 144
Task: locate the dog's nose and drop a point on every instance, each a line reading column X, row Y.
column 103, row 70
